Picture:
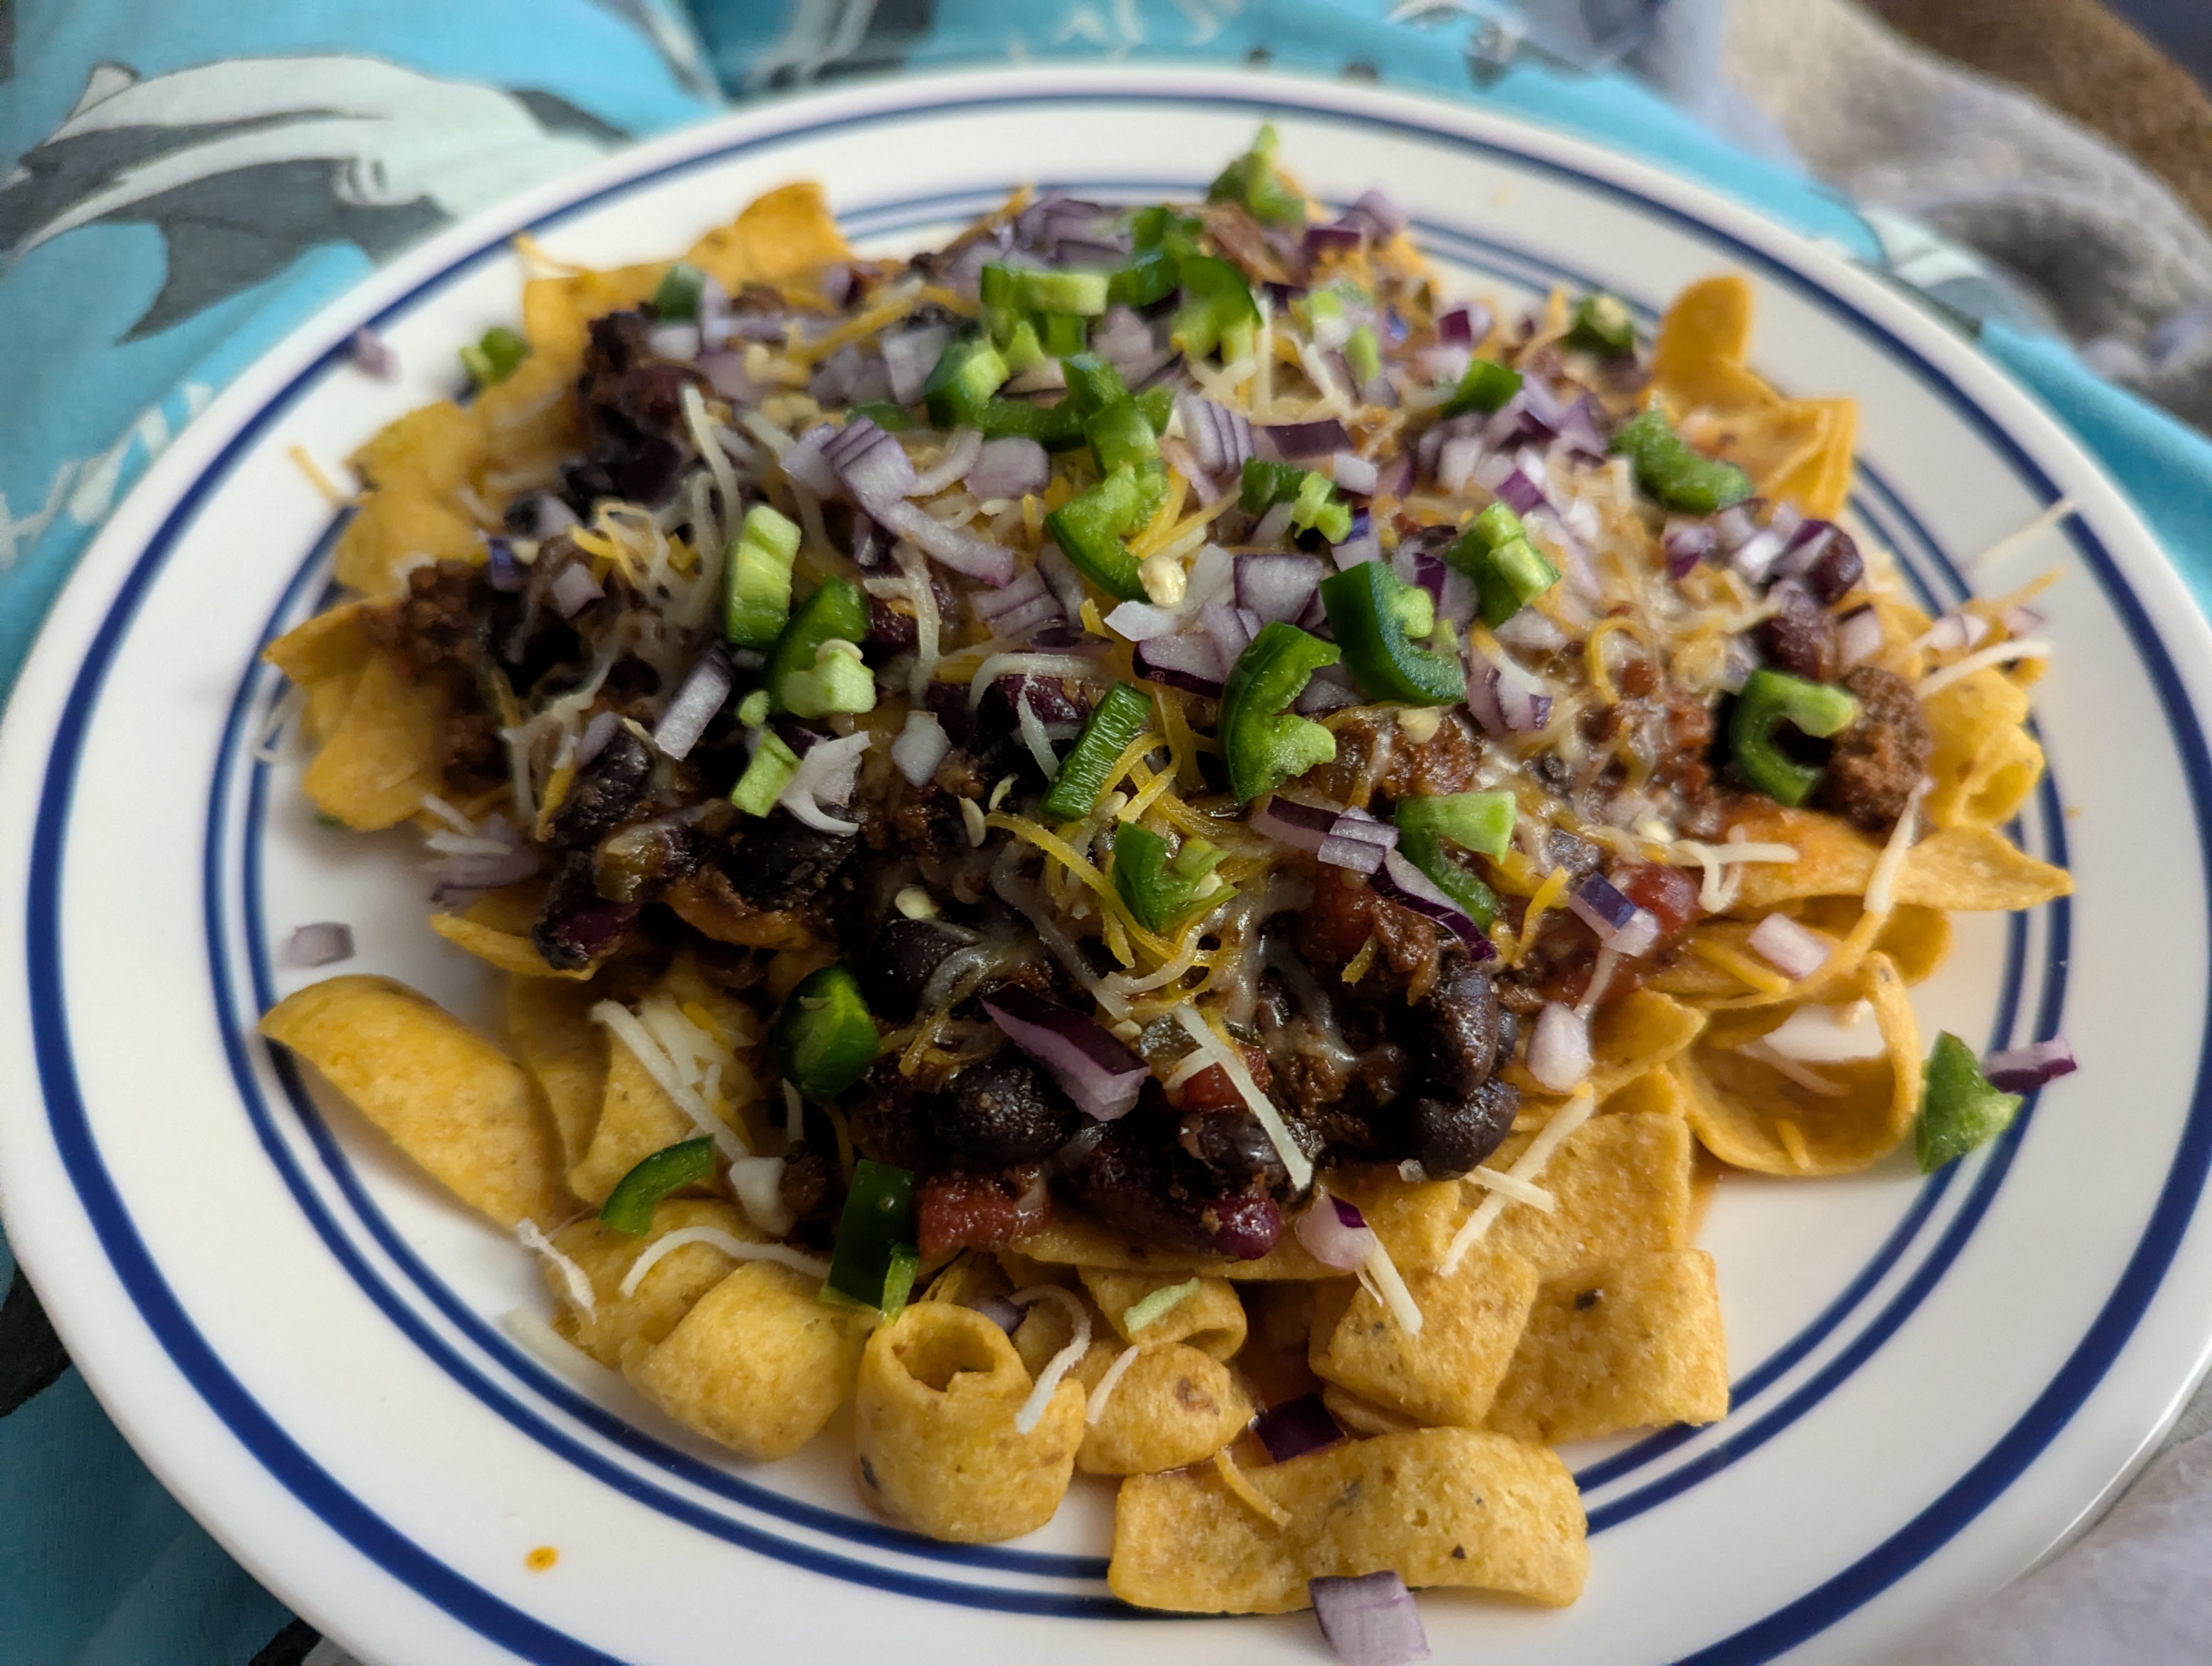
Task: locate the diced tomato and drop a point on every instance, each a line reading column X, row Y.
column 1212, row 1089
column 975, row 1212
column 1669, row 894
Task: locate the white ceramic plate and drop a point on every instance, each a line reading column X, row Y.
column 1934, row 1379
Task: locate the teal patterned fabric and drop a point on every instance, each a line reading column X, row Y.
column 299, row 144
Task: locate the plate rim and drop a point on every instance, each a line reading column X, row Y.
column 168, row 487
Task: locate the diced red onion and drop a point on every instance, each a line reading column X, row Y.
column 1787, row 947
column 1230, row 635
column 2021, row 621
column 1140, row 621
column 910, row 355
column 541, row 515
column 1190, row 662
column 1297, row 442
column 1372, row 1621
column 1326, row 692
column 1396, row 477
column 1378, row 212
column 726, row 375
column 1531, row 632
column 1686, row 544
column 871, row 465
column 1580, row 435
column 1277, row 586
column 1340, row 237
column 574, row 589
column 1405, row 885
column 1560, row 1051
column 1735, row 526
column 1336, row 1234
column 962, row 551
column 921, row 747
column 1858, row 636
column 1354, row 550
column 1272, row 526
column 1001, row 1312
column 673, row 341
column 1045, row 377
column 1220, row 439
column 1122, row 338
column 1599, row 904
column 697, row 699
column 1095, row 1070
column 1179, row 457
column 326, row 942
column 1519, row 492
column 1010, row 467
column 1354, row 474
column 1350, row 839
column 827, row 775
column 504, row 572
column 1455, row 324
column 993, row 606
column 597, row 732
column 1442, row 366
column 374, row 355
column 959, row 457
column 1755, row 558
column 2023, row 1069
column 1514, row 697
column 1297, row 1427
column 1954, row 632
column 1639, row 936
column 803, row 460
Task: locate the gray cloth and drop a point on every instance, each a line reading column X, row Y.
column 2124, row 268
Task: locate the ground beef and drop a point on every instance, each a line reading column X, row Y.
column 1445, row 762
column 1877, row 763
column 1800, row 637
column 708, row 903
column 1335, row 926
column 434, row 631
column 929, row 824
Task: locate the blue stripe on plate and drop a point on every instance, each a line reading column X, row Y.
column 1780, row 1631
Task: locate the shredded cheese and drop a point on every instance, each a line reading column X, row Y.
column 1232, row 1061
column 1713, row 858
column 1741, row 967
column 1108, row 1383
column 714, row 1237
column 896, row 303
column 1547, row 893
column 1881, row 884
column 625, row 1026
column 1517, row 1191
column 2012, row 541
column 1380, row 1275
column 1998, row 654
column 1061, row 1363
column 1549, row 1138
column 1810, row 1079
column 322, row 481
column 574, row 1279
column 1247, row 1494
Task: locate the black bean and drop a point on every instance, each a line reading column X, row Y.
column 1128, row 1182
column 1580, row 857
column 1449, row 1137
column 577, row 926
column 891, row 1119
column 1800, row 638
column 1454, row 1030
column 1004, row 1110
column 899, row 962
column 603, row 793
column 1231, row 1146
column 1839, row 567
column 783, row 863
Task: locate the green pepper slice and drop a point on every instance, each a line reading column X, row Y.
column 766, row 776
column 679, row 292
column 1162, row 893
column 799, row 676
column 966, row 375
column 1426, row 852
column 1265, row 483
column 1602, row 324
column 756, row 577
column 1252, row 181
column 1376, row 617
column 1484, row 386
column 496, row 357
column 873, row 1262
column 892, row 419
column 629, row 1206
column 1959, row 1109
column 1508, row 572
column 1113, row 722
column 1089, row 527
column 1482, row 822
column 1362, row 356
column 824, row 1036
column 1121, row 438
column 1218, row 311
column 1263, row 743
column 1770, row 699
column 1678, row 475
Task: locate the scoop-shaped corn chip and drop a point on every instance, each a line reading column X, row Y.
column 413, row 470
column 1752, row 1112
column 1210, row 1319
column 1771, row 441
column 1917, row 939
column 1628, row 1346
column 381, row 756
column 513, row 953
column 787, row 234
column 1359, row 1415
column 1822, row 483
column 1969, row 868
column 332, row 644
column 1707, row 324
column 1655, row 1093
column 758, row 1363
column 1437, row 1506
column 449, row 1098
column 1984, row 763
column 622, row 1329
column 934, row 1434
column 1172, row 1406
column 1620, row 1184
column 548, row 1026
column 1633, row 1035
column 557, row 311
column 1471, row 1321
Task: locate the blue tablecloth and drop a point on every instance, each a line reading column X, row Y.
column 300, row 142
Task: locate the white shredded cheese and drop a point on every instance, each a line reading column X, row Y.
column 1805, row 1076
column 1034, row 737
column 1108, row 1383
column 1032, row 665
column 758, row 1183
column 1381, row 1274
column 726, row 479
column 572, row 1277
column 1881, row 884
column 736, row 1249
column 1549, row 1138
column 1061, row 1363
column 1711, row 896
column 1998, row 654
column 446, row 813
column 2012, row 541
column 1295, row 1162
column 1517, row 1191
column 624, row 1024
